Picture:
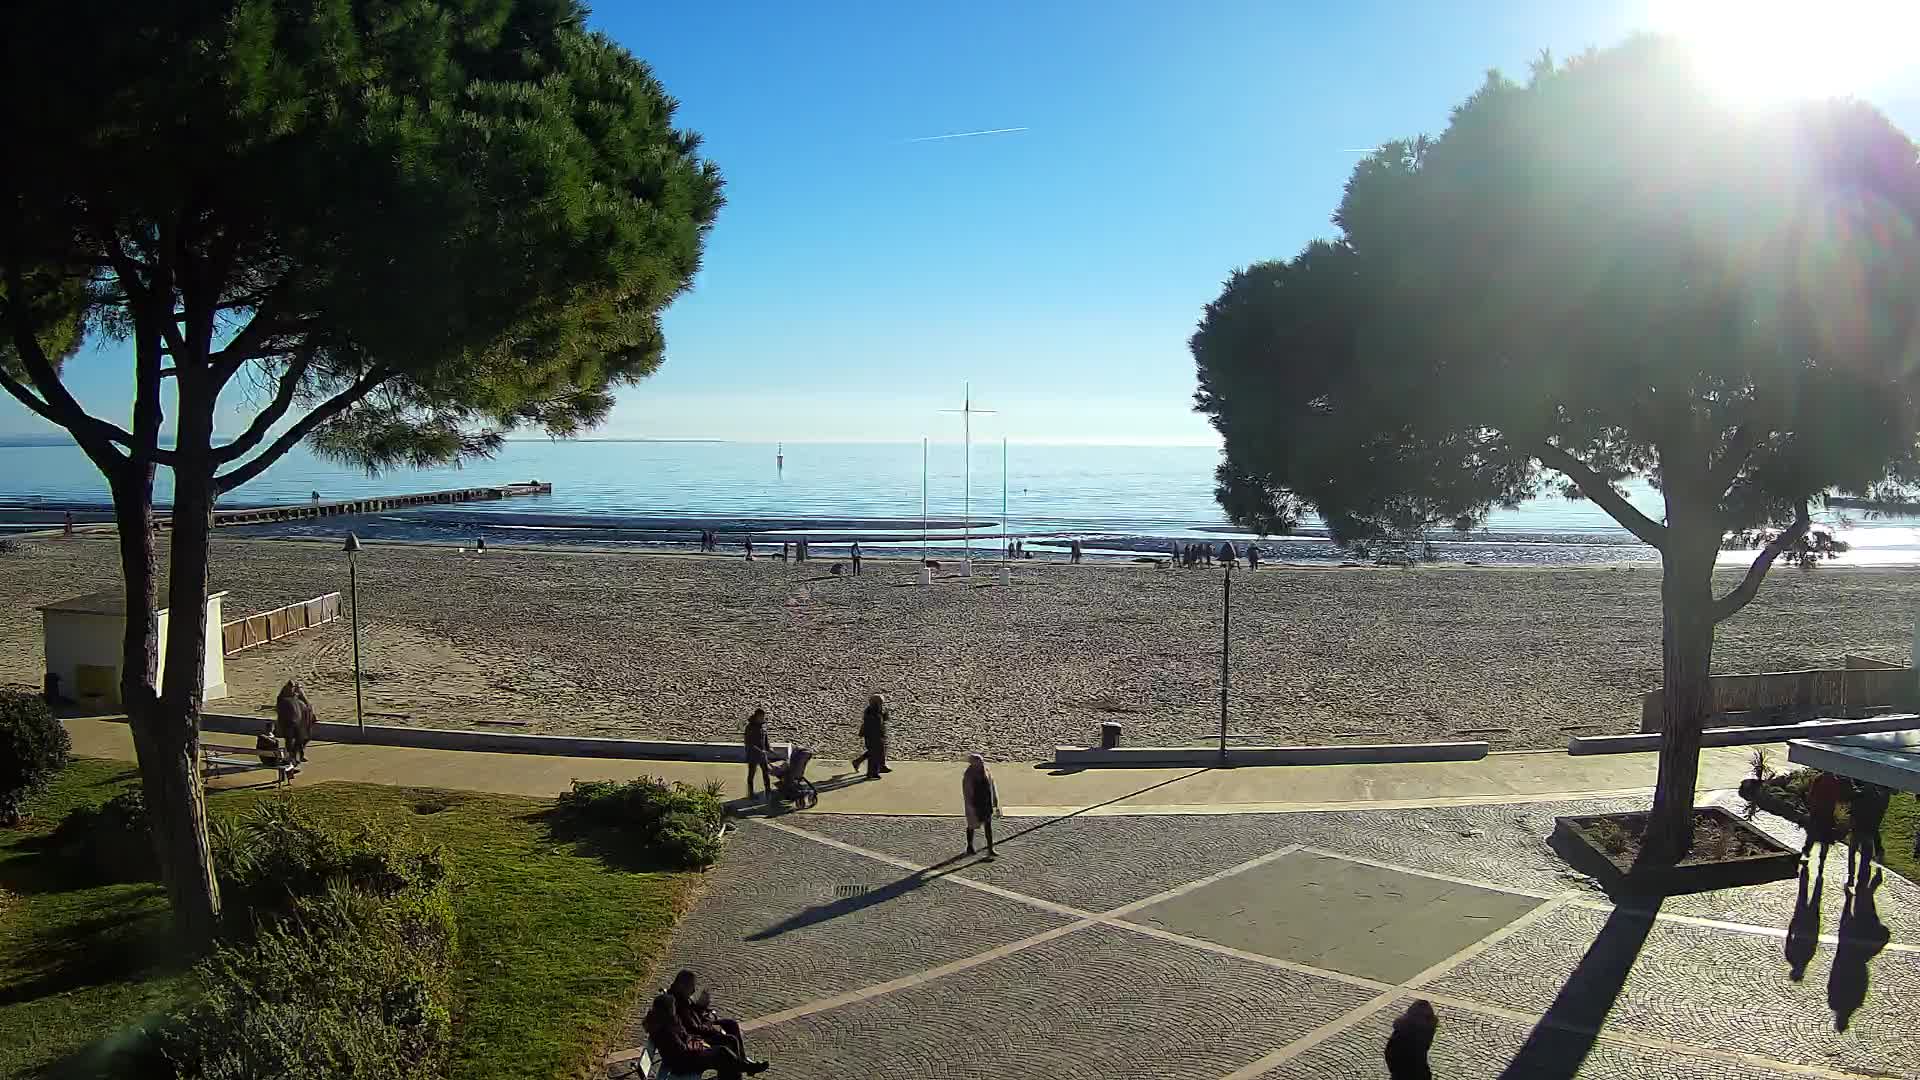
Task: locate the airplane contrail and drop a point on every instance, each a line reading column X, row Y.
column 967, row 134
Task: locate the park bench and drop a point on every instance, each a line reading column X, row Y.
column 217, row 760
column 647, row 1067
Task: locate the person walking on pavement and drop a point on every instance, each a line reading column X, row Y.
column 759, row 751
column 873, row 736
column 1865, row 813
column 1824, row 796
column 982, row 801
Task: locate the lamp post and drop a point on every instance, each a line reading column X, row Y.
column 1226, row 653
column 352, row 547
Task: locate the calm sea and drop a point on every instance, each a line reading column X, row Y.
column 1118, row 500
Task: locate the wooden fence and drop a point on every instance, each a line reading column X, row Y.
column 1864, row 685
column 273, row 625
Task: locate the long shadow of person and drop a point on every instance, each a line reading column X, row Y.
column 1803, row 933
column 1862, row 936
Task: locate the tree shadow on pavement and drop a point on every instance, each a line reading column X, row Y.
column 1560, row 1042
column 1862, row 936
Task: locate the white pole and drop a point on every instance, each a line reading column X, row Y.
column 967, row 484
column 1006, row 527
column 923, row 575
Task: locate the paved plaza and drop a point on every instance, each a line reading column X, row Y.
column 1283, row 945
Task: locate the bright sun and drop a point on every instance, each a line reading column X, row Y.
column 1767, row 50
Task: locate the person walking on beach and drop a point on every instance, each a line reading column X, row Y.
column 856, row 558
column 749, row 543
column 1075, row 549
column 1824, row 796
column 1253, row 556
column 759, row 750
column 783, row 551
column 873, row 736
column 1865, row 813
column 981, row 799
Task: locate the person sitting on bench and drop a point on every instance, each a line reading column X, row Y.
column 682, row 1053
column 698, row 1017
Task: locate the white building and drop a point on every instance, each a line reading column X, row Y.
column 84, row 638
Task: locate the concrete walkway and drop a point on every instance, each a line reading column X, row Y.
column 1026, row 789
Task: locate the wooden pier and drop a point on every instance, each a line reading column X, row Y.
column 373, row 504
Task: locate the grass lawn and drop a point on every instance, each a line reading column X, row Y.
column 554, row 941
column 1897, row 831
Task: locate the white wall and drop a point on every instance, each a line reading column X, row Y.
column 72, row 639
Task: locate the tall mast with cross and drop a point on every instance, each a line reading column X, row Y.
column 967, row 412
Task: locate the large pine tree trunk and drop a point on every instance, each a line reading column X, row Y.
column 180, row 817
column 167, row 750
column 1686, row 602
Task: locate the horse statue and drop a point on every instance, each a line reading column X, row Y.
column 293, row 721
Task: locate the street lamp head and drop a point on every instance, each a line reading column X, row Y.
column 352, row 545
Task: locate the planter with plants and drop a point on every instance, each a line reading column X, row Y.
column 1727, row 851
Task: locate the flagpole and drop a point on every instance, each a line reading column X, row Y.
column 966, row 486
column 923, row 499
column 1006, row 527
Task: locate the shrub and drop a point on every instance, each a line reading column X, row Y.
column 351, row 985
column 337, row 962
column 271, row 858
column 33, row 747
column 110, row 842
column 675, row 824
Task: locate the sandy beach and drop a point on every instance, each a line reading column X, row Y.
column 684, row 646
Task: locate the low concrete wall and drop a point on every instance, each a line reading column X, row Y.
column 1865, row 683
column 1744, row 736
column 497, row 742
column 1075, row 756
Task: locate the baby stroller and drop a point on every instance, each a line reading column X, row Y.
column 790, row 781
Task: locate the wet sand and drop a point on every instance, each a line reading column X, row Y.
column 685, row 646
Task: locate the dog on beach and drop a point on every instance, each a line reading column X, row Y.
column 835, row 569
column 293, row 720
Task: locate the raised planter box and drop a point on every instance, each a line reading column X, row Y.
column 1751, row 856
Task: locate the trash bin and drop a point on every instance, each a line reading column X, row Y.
column 1109, row 734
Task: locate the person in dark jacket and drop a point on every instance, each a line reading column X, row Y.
column 1824, row 797
column 873, row 735
column 681, row 1051
column 1412, row 1038
column 1253, row 556
column 759, row 750
column 698, row 1016
column 855, row 554
column 980, row 800
column 1867, row 810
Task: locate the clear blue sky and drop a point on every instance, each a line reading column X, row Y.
column 857, row 277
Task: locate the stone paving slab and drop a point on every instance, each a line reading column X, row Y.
column 1335, row 913
column 1097, row 1004
column 1705, row 987
column 1471, row 1046
column 770, row 932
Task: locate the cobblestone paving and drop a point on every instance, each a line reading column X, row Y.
column 1098, row 1003
column 847, row 986
column 1469, row 1046
column 770, row 933
column 1707, row 987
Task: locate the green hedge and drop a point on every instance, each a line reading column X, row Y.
column 112, row 842
column 676, row 825
column 33, row 747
